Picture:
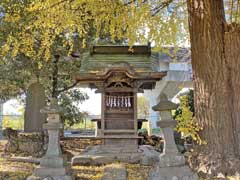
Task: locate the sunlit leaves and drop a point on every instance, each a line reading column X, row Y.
column 37, row 26
column 187, row 124
column 232, row 11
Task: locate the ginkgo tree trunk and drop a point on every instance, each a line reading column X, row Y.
column 215, row 47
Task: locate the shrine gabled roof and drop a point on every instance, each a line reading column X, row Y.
column 137, row 60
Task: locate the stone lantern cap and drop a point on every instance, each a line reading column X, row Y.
column 164, row 104
column 53, row 108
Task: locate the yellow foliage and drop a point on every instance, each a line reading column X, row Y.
column 33, row 28
column 187, row 124
column 14, row 123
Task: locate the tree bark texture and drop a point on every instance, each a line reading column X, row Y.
column 215, row 48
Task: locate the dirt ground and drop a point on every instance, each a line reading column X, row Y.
column 12, row 170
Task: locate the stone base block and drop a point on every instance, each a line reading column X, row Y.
column 115, row 172
column 50, row 173
column 172, row 173
column 45, row 172
column 106, row 159
column 150, row 157
column 42, row 173
column 50, row 178
column 52, row 162
column 33, row 178
column 97, row 156
column 122, row 143
column 171, row 160
column 93, row 159
column 107, row 149
column 103, row 149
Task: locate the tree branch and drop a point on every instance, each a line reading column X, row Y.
column 68, row 87
column 133, row 1
column 129, row 2
column 161, row 6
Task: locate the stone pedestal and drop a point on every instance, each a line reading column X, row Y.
column 52, row 164
column 171, row 156
column 171, row 164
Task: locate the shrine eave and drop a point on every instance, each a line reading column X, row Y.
column 98, row 77
column 146, row 79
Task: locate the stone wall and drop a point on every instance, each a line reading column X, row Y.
column 26, row 144
column 34, row 144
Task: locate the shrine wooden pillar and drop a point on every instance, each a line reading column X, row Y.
column 135, row 113
column 103, row 113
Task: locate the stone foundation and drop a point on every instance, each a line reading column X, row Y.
column 99, row 155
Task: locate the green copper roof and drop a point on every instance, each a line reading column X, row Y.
column 136, row 62
column 98, row 63
column 101, row 58
column 103, row 61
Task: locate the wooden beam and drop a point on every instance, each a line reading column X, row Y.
column 121, row 50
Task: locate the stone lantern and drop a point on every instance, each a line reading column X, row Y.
column 170, row 155
column 171, row 163
column 52, row 163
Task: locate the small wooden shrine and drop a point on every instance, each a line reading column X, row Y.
column 119, row 73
